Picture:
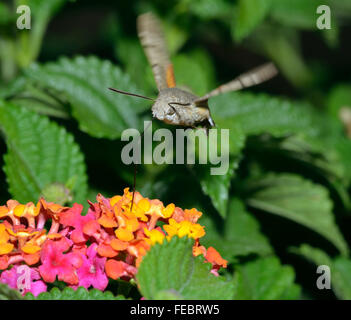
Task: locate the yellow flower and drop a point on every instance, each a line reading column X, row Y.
column 124, row 234
column 184, row 228
column 155, row 236
column 27, row 210
column 5, row 246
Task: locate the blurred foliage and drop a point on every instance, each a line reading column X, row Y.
column 290, row 171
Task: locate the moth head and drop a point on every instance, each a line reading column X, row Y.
column 172, row 104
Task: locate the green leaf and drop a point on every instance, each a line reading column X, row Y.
column 237, row 235
column 6, row 293
column 325, row 157
column 131, row 54
column 217, row 186
column 167, row 295
column 172, row 267
column 250, row 13
column 340, row 269
column 296, row 13
column 175, row 37
column 85, row 83
column 299, row 200
column 266, row 279
column 5, row 14
column 316, row 139
column 191, row 74
column 79, row 294
column 260, row 113
column 39, row 153
column 206, row 9
column 33, row 98
column 282, row 46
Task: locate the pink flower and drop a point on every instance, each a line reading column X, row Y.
column 92, row 271
column 15, row 278
column 56, row 263
column 73, row 218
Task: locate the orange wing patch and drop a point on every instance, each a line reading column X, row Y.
column 170, row 77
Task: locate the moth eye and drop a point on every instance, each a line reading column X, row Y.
column 170, row 111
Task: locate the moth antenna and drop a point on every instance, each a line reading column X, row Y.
column 131, row 94
column 248, row 79
column 135, row 167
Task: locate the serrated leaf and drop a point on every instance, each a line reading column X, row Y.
column 299, row 200
column 266, row 279
column 172, row 267
column 39, row 153
column 237, row 235
column 250, row 13
column 85, row 83
column 71, row 294
column 260, row 113
column 340, row 269
column 37, row 100
column 6, row 293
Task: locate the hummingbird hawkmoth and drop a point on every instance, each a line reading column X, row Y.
column 174, row 105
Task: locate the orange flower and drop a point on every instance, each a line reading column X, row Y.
column 105, row 250
column 191, row 215
column 127, row 224
column 157, row 211
column 4, row 262
column 117, row 269
column 107, row 218
column 215, row 258
column 29, row 242
column 3, row 211
column 119, row 245
column 52, row 209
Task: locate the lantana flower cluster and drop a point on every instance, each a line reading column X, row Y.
column 60, row 243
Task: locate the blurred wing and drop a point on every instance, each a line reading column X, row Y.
column 248, row 79
column 154, row 44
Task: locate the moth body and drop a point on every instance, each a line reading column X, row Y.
column 177, row 107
